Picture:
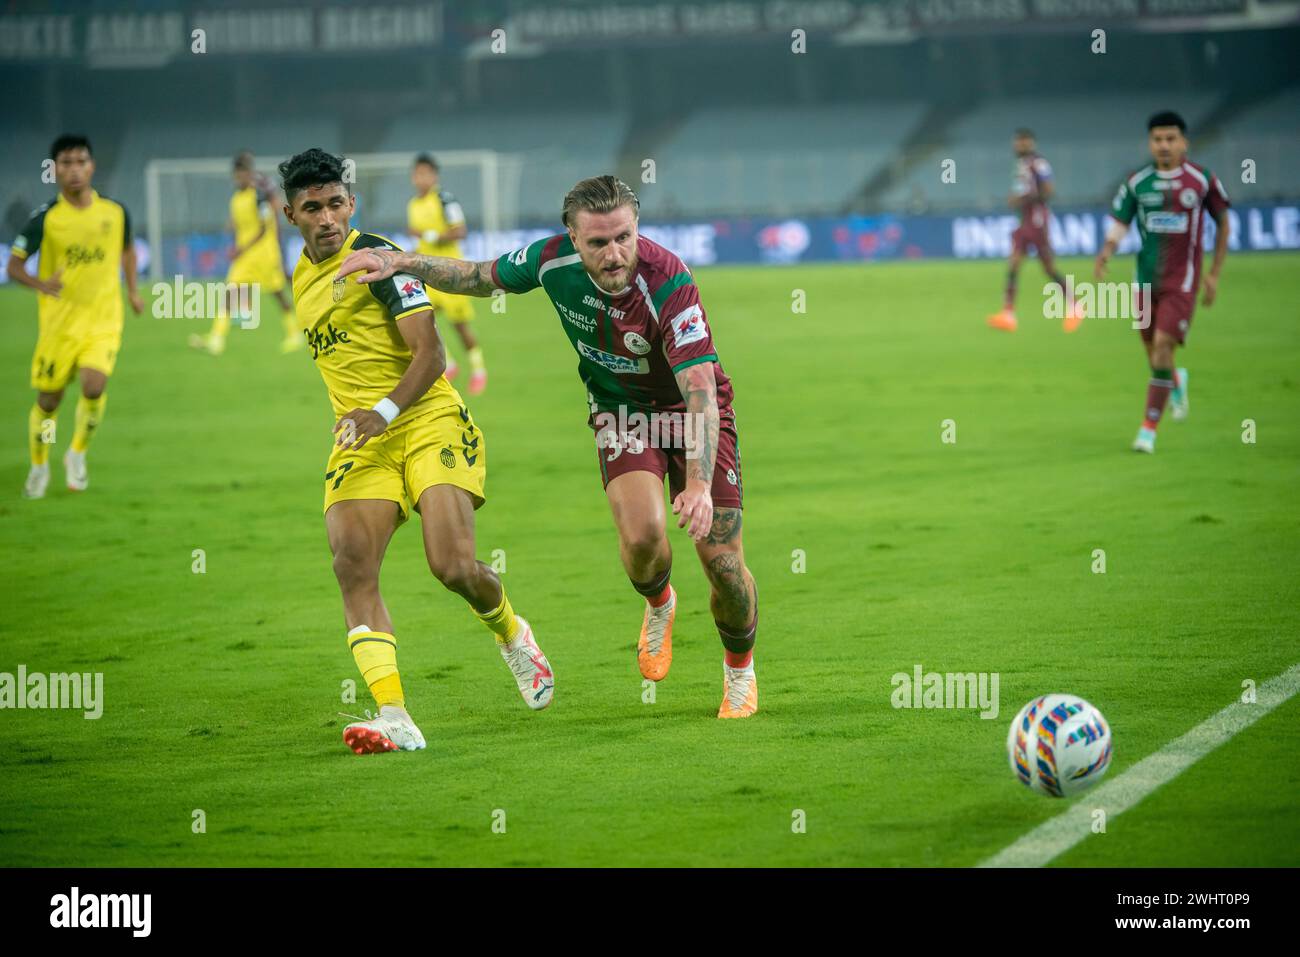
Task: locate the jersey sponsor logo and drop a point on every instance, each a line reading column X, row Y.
column 583, row 321
column 636, row 343
column 323, row 341
column 1166, row 222
column 1151, row 199
column 1189, row 198
column 78, row 255
column 595, row 303
column 620, row 365
column 688, row 326
column 411, row 290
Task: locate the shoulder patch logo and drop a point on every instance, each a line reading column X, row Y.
column 519, row 256
column 410, row 290
column 688, row 326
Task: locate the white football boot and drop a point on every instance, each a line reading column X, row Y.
column 1145, row 441
column 74, row 464
column 391, row 730
column 1178, row 400
column 38, row 480
column 532, row 671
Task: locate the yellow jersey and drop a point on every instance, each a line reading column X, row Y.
column 353, row 334
column 249, row 209
column 85, row 245
column 434, row 213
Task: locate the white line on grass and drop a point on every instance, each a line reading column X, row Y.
column 1057, row 835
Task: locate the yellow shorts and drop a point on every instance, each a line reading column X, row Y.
column 455, row 308
column 58, row 356
column 265, row 270
column 441, row 446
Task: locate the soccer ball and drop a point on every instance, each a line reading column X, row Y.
column 1059, row 745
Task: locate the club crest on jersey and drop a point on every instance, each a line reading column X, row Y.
column 338, row 289
column 410, row 289
column 636, row 343
column 1188, row 198
column 688, row 326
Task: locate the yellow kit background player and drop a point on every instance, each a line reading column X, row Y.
column 255, row 259
column 404, row 440
column 437, row 219
column 84, row 245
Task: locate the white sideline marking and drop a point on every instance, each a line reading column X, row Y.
column 1057, row 835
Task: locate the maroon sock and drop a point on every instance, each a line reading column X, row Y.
column 1161, row 384
column 1009, row 297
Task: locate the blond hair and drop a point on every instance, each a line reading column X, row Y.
column 598, row 194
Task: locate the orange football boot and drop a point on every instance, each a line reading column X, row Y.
column 1073, row 318
column 739, row 692
column 1005, row 320
column 654, row 649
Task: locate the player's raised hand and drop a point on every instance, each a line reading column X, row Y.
column 1211, row 283
column 358, row 427
column 373, row 264
column 694, row 505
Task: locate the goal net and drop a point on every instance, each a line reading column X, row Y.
column 188, row 203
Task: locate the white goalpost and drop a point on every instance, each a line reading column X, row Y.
column 187, row 201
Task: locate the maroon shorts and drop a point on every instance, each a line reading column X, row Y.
column 662, row 452
column 1171, row 312
column 1027, row 235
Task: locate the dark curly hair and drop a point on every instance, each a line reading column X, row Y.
column 69, row 141
column 313, row 167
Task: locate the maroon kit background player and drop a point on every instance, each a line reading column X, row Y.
column 1169, row 199
column 1031, row 188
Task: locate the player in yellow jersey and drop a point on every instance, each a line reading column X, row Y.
column 404, row 440
column 435, row 217
column 84, row 242
column 255, row 263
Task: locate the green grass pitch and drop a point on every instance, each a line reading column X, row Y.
column 222, row 689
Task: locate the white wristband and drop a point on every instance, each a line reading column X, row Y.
column 387, row 408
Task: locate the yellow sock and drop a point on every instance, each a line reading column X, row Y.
column 220, row 325
column 90, row 412
column 40, row 433
column 475, row 357
column 502, row 622
column 375, row 653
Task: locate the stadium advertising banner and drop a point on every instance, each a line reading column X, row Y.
column 127, row 37
column 1079, row 232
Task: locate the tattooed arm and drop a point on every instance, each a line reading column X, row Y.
column 456, row 276
column 699, row 388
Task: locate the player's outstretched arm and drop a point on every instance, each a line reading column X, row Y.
column 694, row 505
column 454, row 276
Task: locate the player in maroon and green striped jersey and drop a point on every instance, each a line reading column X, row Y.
column 1169, row 198
column 1031, row 188
column 659, row 403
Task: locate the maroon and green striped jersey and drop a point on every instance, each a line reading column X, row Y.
column 1169, row 206
column 631, row 345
